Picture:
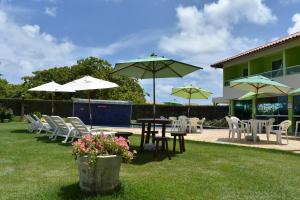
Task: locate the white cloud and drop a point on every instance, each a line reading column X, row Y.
column 50, row 11
column 25, row 48
column 296, row 26
column 205, row 35
column 209, row 30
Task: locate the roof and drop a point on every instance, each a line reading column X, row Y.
column 98, row 101
column 272, row 44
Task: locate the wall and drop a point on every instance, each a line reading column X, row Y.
column 293, row 56
column 65, row 109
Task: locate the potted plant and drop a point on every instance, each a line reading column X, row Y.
column 99, row 160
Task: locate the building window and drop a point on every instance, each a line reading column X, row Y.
column 296, row 105
column 245, row 72
column 243, row 109
column 276, row 65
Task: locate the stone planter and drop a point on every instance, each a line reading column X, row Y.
column 103, row 177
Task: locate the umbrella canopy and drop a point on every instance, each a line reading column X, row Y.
column 191, row 92
column 173, row 102
column 260, row 84
column 154, row 67
column 51, row 87
column 295, row 92
column 89, row 83
column 251, row 95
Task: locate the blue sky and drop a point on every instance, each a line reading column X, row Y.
column 38, row 34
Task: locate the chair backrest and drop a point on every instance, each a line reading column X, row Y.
column 202, row 120
column 194, row 121
column 30, row 119
column 271, row 121
column 79, row 126
column 172, row 118
column 61, row 124
column 285, row 125
column 235, row 122
column 228, row 119
column 182, row 118
column 50, row 122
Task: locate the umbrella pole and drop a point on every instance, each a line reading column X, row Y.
column 90, row 109
column 189, row 102
column 154, row 108
column 52, row 104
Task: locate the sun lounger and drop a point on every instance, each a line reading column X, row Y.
column 82, row 129
column 63, row 129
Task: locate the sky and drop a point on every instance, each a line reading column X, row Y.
column 40, row 34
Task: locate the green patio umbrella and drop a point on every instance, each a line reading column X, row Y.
column 260, row 84
column 173, row 102
column 191, row 92
column 295, row 91
column 153, row 67
column 251, row 95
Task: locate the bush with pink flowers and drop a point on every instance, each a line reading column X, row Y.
column 101, row 145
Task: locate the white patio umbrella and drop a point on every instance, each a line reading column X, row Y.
column 52, row 87
column 89, row 83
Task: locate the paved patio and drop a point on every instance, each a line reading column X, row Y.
column 221, row 136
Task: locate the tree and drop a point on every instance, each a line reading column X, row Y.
column 129, row 88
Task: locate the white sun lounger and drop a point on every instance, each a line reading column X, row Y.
column 63, row 130
column 82, row 129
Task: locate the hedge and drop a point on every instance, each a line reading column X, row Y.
column 65, row 108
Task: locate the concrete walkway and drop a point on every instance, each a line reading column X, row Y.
column 221, row 136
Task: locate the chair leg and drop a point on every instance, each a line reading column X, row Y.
column 174, row 144
column 167, row 149
column 180, row 144
column 287, row 139
column 156, row 148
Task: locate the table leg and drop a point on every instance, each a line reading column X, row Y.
column 297, row 123
column 142, row 137
column 148, row 133
column 163, row 134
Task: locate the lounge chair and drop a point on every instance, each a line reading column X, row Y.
column 63, row 129
column 82, row 130
column 42, row 126
column 33, row 124
column 53, row 127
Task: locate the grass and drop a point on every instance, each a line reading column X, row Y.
column 32, row 167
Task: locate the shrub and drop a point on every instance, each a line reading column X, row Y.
column 216, row 123
column 100, row 145
column 5, row 113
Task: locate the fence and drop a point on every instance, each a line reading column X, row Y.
column 65, row 109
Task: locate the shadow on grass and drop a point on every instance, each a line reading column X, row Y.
column 145, row 157
column 45, row 139
column 22, row 131
column 73, row 191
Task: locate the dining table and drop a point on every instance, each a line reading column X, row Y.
column 149, row 122
column 256, row 126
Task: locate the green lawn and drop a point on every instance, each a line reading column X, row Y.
column 32, row 167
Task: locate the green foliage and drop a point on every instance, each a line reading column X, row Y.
column 129, row 88
column 5, row 113
column 220, row 123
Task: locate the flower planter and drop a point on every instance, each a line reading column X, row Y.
column 101, row 177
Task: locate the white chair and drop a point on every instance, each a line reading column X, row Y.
column 42, row 125
column 53, row 126
column 200, row 124
column 82, row 130
column 175, row 124
column 63, row 130
column 183, row 122
column 268, row 127
column 282, row 129
column 238, row 127
column 231, row 129
column 33, row 124
column 193, row 124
